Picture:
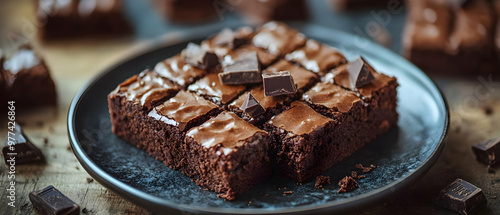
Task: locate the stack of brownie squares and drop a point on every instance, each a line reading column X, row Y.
column 453, row 37
column 244, row 103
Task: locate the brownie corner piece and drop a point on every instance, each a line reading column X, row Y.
column 178, row 71
column 300, row 136
column 227, row 155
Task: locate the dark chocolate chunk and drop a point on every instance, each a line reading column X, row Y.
column 252, row 107
column 18, row 148
column 196, row 56
column 278, row 83
column 360, row 73
column 461, row 196
column 487, row 151
column 51, row 201
column 347, row 184
column 244, row 70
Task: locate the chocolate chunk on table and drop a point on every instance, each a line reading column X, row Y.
column 51, row 201
column 278, row 83
column 80, row 18
column 488, row 151
column 252, row 107
column 244, row 70
column 200, row 57
column 27, row 80
column 264, row 11
column 461, row 196
column 18, row 148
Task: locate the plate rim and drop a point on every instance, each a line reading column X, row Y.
column 151, row 202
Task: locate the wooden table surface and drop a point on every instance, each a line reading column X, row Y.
column 74, row 63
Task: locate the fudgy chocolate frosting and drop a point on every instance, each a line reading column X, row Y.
column 147, row 88
column 317, row 57
column 331, row 96
column 258, row 93
column 210, row 85
column 181, row 109
column 226, row 130
column 278, row 38
column 301, row 76
column 178, row 71
column 300, row 119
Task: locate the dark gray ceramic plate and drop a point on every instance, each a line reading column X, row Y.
column 403, row 154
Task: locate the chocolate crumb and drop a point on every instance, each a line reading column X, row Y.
column 354, row 174
column 321, row 181
column 359, row 166
column 78, row 168
column 366, row 169
column 287, row 192
column 84, row 210
column 361, row 176
column 68, row 148
column 45, row 141
column 372, row 166
column 90, row 180
column 347, row 184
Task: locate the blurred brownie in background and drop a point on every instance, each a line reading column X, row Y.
column 187, row 11
column 79, row 18
column 3, row 84
column 259, row 11
column 27, row 80
column 451, row 37
column 346, row 5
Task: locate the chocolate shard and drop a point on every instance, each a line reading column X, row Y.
column 18, row 148
column 278, row 83
column 360, row 73
column 51, row 201
column 252, row 107
column 198, row 57
column 244, row 70
column 461, row 196
column 488, row 151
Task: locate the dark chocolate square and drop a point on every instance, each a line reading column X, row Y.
column 49, row 200
column 303, row 78
column 461, row 196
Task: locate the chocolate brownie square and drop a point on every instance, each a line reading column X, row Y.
column 256, row 11
column 78, row 18
column 226, row 154
column 132, row 100
column 271, row 104
column 317, row 57
column 278, row 39
column 303, row 78
column 265, row 58
column 27, row 80
column 301, row 138
column 227, row 40
column 213, row 90
column 168, row 123
column 186, row 11
column 178, row 71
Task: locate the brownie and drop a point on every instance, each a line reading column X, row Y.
column 449, row 39
column 257, row 11
column 212, row 89
column 186, row 11
column 277, row 38
column 317, row 57
column 271, row 104
column 347, row 5
column 27, row 80
column 168, row 123
column 301, row 138
column 265, row 58
column 132, row 100
column 303, row 78
column 227, row 40
column 80, row 18
column 178, row 71
column 227, row 155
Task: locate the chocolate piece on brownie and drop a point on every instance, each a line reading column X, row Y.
column 302, row 77
column 212, row 89
column 252, row 107
column 300, row 136
column 271, row 104
column 278, row 39
column 244, row 70
column 178, row 71
column 278, row 83
column 227, row 155
column 130, row 102
column 317, row 57
column 200, row 57
column 28, row 80
column 80, row 18
column 186, row 11
column 168, row 123
column 264, row 11
column 359, row 74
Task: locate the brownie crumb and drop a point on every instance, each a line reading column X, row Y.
column 90, row 180
column 354, row 174
column 361, row 176
column 321, row 181
column 488, row 110
column 287, row 192
column 365, row 169
column 347, row 184
column 372, row 166
column 45, row 141
column 68, row 148
column 359, row 166
column 78, row 168
column 84, row 210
